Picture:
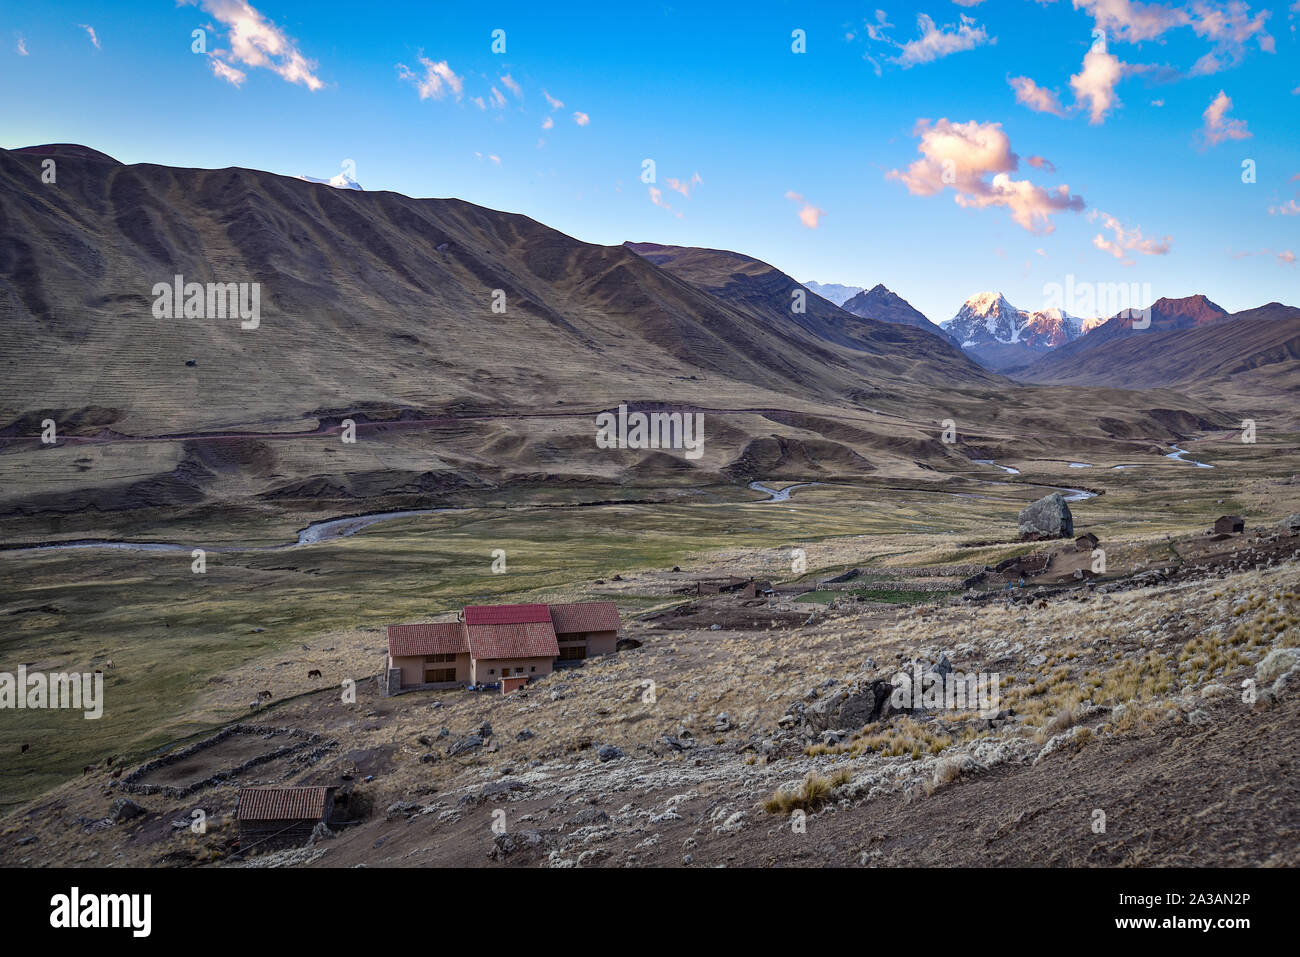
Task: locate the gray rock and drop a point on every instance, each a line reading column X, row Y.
column 609, row 752
column 1049, row 517
column 124, row 809
column 524, row 735
column 850, row 708
column 1291, row 523
column 521, row 844
column 465, row 745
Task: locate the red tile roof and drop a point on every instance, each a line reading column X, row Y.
column 585, row 616
column 440, row 638
column 532, row 639
column 505, row 614
column 283, row 804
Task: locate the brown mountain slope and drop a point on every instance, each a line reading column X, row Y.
column 887, row 306
column 765, row 292
column 361, row 293
column 379, row 308
column 1190, row 312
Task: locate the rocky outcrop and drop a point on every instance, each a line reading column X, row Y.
column 1049, row 517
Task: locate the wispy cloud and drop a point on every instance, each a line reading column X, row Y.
column 1218, row 126
column 809, row 214
column 1039, row 162
column 223, row 70
column 936, row 42
column 511, row 84
column 438, row 80
column 22, row 46
column 684, row 186
column 1037, row 98
column 1125, row 241
column 554, row 103
column 582, row 119
column 90, row 32
column 975, row 161
column 257, row 43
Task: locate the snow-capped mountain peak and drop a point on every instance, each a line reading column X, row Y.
column 988, row 319
column 340, row 181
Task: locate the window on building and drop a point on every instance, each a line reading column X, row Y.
column 492, row 671
column 533, row 668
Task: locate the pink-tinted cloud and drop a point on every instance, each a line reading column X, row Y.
column 1094, row 85
column 975, row 161
column 582, row 119
column 1126, row 241
column 1131, row 21
column 1037, row 98
column 1218, row 126
column 1039, row 162
column 684, row 186
column 809, row 214
column 936, row 42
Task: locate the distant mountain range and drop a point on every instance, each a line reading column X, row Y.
column 1003, row 337
column 833, row 291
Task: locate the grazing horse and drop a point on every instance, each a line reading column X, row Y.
column 26, row 748
column 264, row 694
column 314, row 673
column 88, row 768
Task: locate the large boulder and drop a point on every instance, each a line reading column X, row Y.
column 1049, row 517
column 849, row 708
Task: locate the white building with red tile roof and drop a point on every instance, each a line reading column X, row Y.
column 495, row 642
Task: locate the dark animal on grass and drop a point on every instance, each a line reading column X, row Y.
column 314, row 673
column 26, row 748
column 88, row 768
column 264, row 694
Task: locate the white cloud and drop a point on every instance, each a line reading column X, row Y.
column 511, row 84
column 555, row 104
column 90, row 32
column 936, row 42
column 1133, row 22
column 975, row 160
column 22, row 46
column 232, row 75
column 582, row 119
column 1128, row 241
column 439, row 79
column 1094, row 85
column 256, row 42
column 1037, row 98
column 548, row 123
column 1218, row 127
column 1289, row 208
column 1230, row 26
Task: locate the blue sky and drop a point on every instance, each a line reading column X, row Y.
column 805, row 160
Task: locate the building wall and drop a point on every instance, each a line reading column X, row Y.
column 488, row 670
column 413, row 668
column 602, row 643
